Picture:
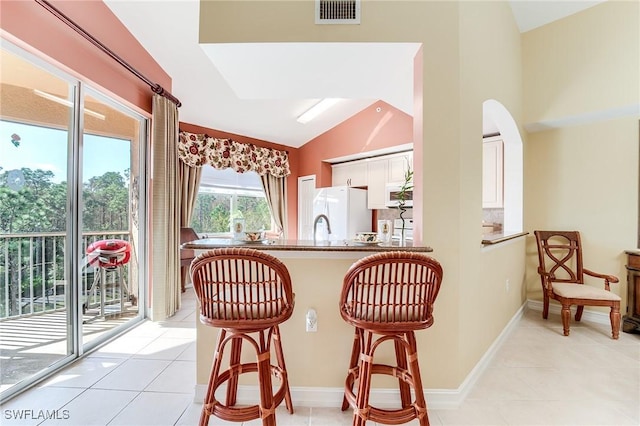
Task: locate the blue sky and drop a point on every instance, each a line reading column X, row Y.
column 46, row 149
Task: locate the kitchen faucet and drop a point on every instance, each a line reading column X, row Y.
column 315, row 224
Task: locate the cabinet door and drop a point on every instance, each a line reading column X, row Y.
column 340, row 175
column 492, row 167
column 376, row 179
column 398, row 166
column 352, row 173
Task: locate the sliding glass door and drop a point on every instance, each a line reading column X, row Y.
column 72, row 185
column 110, row 199
column 36, row 306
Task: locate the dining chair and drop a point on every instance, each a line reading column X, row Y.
column 562, row 275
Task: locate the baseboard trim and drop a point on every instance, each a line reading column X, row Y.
column 437, row 399
column 587, row 315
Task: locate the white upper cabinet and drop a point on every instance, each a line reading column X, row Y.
column 374, row 173
column 398, row 166
column 351, row 173
column 377, row 178
column 492, row 173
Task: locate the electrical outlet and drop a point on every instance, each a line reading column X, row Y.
column 311, row 321
column 507, row 286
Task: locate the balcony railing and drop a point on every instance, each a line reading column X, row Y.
column 34, row 277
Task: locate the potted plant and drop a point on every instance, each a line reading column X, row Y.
column 402, row 198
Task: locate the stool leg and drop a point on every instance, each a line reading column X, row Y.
column 353, row 363
column 207, row 407
column 267, row 410
column 414, row 368
column 365, row 366
column 401, row 360
column 281, row 364
column 234, row 362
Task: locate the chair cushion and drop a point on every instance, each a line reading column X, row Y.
column 244, row 303
column 582, row 291
column 387, row 313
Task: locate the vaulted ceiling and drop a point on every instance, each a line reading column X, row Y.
column 259, row 90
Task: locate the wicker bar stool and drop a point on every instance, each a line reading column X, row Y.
column 246, row 293
column 387, row 297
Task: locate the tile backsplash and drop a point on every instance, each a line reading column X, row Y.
column 488, row 215
column 493, row 216
column 391, row 214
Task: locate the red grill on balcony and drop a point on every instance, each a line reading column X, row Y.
column 108, row 256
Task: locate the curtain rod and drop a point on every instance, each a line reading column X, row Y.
column 156, row 88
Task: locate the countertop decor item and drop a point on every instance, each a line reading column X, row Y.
column 366, row 237
column 253, row 236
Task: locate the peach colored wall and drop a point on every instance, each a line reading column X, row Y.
column 368, row 130
column 32, row 24
column 292, row 179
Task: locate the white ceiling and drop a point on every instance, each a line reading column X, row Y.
column 258, row 90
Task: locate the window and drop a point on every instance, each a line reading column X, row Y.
column 225, row 195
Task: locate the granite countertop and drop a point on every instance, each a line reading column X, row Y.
column 302, row 245
column 500, row 236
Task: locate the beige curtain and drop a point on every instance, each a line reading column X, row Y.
column 165, row 211
column 275, row 192
column 189, row 184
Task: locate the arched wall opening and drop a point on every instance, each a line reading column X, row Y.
column 495, row 112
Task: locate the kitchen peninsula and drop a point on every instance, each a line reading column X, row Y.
column 302, row 246
column 317, row 362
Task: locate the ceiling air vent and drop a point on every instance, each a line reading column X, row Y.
column 337, row 11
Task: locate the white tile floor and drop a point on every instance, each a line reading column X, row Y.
column 538, row 377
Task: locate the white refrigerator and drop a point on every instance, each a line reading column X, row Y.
column 346, row 209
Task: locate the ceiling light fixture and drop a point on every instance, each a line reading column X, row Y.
column 66, row 102
column 317, row 109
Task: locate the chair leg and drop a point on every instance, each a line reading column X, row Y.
column 234, row 363
column 183, row 278
column 614, row 316
column 545, row 305
column 566, row 315
column 209, row 398
column 283, row 367
column 401, row 360
column 579, row 312
column 414, row 368
column 353, row 362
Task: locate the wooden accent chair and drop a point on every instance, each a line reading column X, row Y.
column 562, row 276
column 186, row 255
column 387, row 297
column 244, row 292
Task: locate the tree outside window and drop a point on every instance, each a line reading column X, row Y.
column 216, row 208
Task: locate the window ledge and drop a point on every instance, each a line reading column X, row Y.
column 500, row 237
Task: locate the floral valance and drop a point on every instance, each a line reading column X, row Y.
column 196, row 149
